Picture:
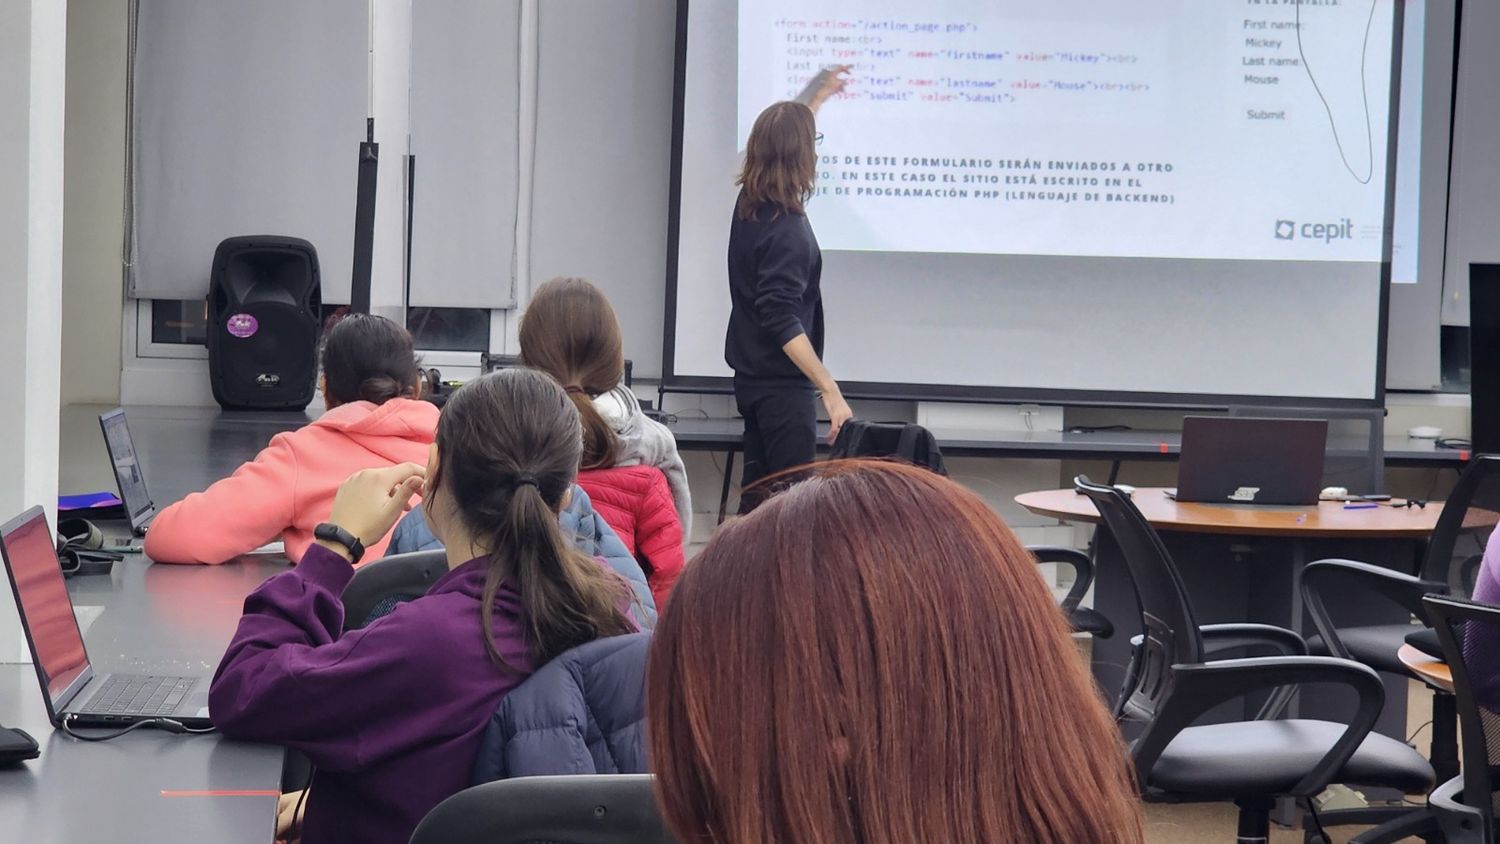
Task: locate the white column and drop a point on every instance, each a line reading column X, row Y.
column 390, row 97
column 32, row 65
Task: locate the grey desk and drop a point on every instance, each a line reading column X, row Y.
column 148, row 785
column 727, row 435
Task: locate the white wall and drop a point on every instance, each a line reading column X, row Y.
column 94, row 198
column 32, row 73
column 1474, row 201
column 603, row 158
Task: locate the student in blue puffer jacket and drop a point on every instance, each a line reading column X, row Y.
column 590, row 534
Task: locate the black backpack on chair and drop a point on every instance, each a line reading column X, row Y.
column 903, row 441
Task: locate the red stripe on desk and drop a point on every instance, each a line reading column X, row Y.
column 1463, row 455
column 246, row 793
column 1165, row 449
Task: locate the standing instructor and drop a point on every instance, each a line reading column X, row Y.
column 775, row 339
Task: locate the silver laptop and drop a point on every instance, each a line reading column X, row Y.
column 74, row 694
column 139, row 508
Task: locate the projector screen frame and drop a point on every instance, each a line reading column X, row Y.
column 671, row 382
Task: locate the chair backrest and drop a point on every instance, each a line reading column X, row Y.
column 1170, row 632
column 378, row 587
column 1470, row 635
column 901, row 440
column 599, row 809
column 1356, row 442
column 1469, row 516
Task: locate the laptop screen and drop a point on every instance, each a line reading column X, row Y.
column 45, row 608
column 127, row 470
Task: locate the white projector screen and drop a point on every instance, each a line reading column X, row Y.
column 1165, row 201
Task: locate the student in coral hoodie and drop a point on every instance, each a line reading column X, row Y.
column 631, row 468
column 375, row 418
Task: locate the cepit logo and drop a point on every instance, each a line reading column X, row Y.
column 1326, row 232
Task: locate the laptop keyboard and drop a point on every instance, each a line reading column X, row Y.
column 137, row 694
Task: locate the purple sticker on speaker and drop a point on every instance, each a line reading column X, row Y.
column 243, row 325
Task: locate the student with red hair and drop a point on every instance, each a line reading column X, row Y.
column 872, row 657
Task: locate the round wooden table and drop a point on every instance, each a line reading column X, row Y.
column 1329, row 519
column 1430, row 670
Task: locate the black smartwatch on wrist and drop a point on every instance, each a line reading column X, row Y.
column 330, row 532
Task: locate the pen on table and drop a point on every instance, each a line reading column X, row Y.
column 1361, row 505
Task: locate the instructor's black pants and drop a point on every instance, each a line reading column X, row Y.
column 781, row 432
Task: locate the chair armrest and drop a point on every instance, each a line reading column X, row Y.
column 1200, row 687
column 1218, row 638
column 1222, row 638
column 1083, row 571
column 1327, row 576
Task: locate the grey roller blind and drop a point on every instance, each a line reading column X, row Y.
column 603, row 156
column 465, row 108
column 247, row 120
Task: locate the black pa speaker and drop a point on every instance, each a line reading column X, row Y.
column 1484, row 357
column 264, row 299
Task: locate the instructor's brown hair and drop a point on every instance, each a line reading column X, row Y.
column 570, row 332
column 781, row 161
column 872, row 657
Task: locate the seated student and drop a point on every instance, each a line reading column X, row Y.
column 872, row 656
column 631, row 467
column 391, row 714
column 584, row 528
column 1482, row 642
column 375, row 418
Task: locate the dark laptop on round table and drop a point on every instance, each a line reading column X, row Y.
column 1241, row 460
column 75, row 695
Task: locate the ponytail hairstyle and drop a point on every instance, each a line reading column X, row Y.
column 570, row 332
column 508, row 447
column 368, row 358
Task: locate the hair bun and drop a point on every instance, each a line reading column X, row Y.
column 379, row 389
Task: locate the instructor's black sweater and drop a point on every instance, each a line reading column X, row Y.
column 774, row 269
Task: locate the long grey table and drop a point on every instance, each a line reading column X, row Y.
column 148, row 785
column 727, row 435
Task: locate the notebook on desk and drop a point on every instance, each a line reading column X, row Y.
column 74, row 694
column 1236, row 460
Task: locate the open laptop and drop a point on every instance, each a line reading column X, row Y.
column 140, row 509
column 1236, row 460
column 73, row 692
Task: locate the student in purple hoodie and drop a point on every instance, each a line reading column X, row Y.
column 391, row 714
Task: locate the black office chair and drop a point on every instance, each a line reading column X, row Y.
column 1470, row 632
column 1448, row 567
column 378, row 587
column 1083, row 619
column 603, row 809
column 1171, row 683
